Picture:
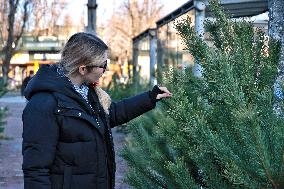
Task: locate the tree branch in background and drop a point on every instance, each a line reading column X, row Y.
column 12, row 38
column 25, row 19
column 132, row 18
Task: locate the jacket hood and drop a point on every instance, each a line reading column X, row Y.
column 47, row 79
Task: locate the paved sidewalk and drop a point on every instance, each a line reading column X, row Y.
column 11, row 176
column 10, row 149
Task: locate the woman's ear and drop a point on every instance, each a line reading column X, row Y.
column 83, row 70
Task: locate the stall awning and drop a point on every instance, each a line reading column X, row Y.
column 242, row 8
column 236, row 8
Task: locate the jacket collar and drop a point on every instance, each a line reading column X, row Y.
column 104, row 100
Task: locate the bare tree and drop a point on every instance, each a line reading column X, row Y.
column 13, row 35
column 132, row 18
column 56, row 11
column 68, row 23
column 3, row 20
column 39, row 12
column 45, row 16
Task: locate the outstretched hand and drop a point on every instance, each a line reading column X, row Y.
column 166, row 93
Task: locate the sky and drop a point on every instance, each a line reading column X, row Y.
column 77, row 8
column 106, row 7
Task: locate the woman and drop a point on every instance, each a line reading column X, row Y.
column 67, row 140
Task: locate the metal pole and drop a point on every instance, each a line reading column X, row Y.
column 153, row 48
column 135, row 59
column 199, row 29
column 92, row 16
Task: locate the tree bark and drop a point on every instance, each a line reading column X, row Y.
column 8, row 48
column 276, row 26
column 276, row 32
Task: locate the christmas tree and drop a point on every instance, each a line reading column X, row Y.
column 219, row 130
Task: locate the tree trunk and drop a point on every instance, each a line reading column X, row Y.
column 276, row 26
column 12, row 40
column 8, row 48
column 6, row 65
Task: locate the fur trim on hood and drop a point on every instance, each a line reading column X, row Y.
column 104, row 99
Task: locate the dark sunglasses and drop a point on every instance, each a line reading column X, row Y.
column 104, row 66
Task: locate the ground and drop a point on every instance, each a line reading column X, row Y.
column 11, row 176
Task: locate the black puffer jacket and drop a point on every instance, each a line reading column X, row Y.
column 64, row 146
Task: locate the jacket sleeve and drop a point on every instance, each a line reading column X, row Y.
column 40, row 136
column 130, row 108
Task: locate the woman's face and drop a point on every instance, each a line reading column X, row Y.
column 94, row 72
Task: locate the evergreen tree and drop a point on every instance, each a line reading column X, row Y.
column 220, row 130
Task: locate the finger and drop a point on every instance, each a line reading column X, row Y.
column 165, row 90
column 164, row 95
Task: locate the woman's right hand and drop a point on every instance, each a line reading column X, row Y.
column 164, row 93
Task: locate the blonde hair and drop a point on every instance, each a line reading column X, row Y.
column 82, row 49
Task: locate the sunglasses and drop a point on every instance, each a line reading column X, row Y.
column 104, row 66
